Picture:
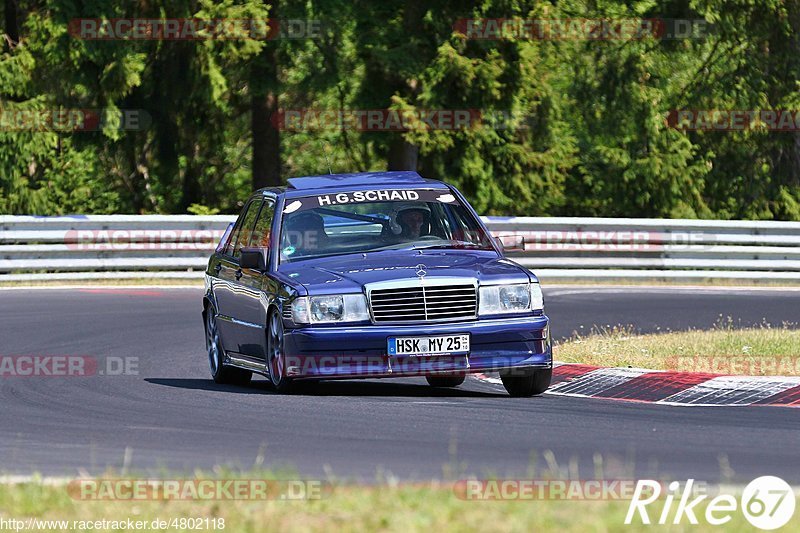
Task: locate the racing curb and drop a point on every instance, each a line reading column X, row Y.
column 666, row 387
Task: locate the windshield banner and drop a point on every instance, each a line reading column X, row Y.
column 378, row 195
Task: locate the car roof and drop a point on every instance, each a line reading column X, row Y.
column 306, row 185
column 371, row 179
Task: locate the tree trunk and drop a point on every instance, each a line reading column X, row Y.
column 11, row 20
column 266, row 159
column 266, row 141
column 402, row 155
column 191, row 180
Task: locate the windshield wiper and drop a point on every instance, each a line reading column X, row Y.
column 451, row 244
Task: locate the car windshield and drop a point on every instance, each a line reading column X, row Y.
column 368, row 221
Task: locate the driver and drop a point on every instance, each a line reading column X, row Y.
column 413, row 219
column 305, row 234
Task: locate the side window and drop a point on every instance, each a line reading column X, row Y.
column 465, row 228
column 261, row 233
column 228, row 250
column 226, row 239
column 235, row 231
column 243, row 236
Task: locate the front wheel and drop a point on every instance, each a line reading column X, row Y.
column 220, row 373
column 445, row 381
column 276, row 360
column 527, row 384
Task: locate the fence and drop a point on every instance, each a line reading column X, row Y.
column 178, row 246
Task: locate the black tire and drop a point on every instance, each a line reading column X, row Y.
column 276, row 359
column 220, row 372
column 530, row 383
column 445, row 381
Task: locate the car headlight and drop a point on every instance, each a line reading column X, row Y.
column 331, row 308
column 507, row 299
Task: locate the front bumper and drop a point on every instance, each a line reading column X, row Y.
column 361, row 351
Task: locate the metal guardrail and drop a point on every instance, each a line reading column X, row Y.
column 630, row 248
column 178, row 246
column 107, row 246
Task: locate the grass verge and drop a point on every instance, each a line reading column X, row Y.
column 759, row 351
column 392, row 507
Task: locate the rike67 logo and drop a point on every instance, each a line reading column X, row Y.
column 767, row 502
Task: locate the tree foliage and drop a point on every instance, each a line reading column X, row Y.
column 570, row 127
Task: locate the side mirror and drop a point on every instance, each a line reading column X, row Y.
column 253, row 258
column 510, row 242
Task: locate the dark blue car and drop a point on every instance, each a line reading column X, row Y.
column 370, row 275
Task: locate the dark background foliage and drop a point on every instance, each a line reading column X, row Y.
column 588, row 135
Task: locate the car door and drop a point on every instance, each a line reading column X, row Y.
column 226, row 288
column 252, row 301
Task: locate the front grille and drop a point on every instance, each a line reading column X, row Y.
column 419, row 304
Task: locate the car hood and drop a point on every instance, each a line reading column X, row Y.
column 342, row 274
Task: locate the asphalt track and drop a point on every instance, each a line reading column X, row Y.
column 171, row 416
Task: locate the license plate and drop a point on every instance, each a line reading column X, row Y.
column 443, row 345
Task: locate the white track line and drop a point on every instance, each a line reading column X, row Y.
column 103, row 287
column 39, row 480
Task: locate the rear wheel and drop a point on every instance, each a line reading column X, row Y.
column 530, row 383
column 445, row 381
column 220, row 373
column 276, row 360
